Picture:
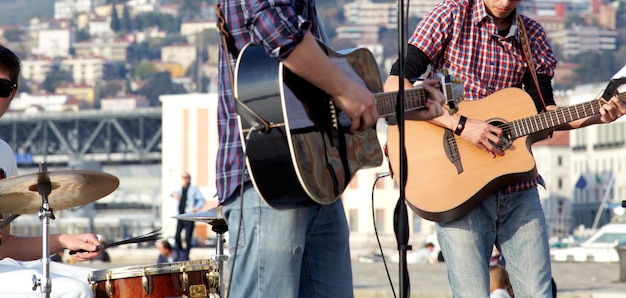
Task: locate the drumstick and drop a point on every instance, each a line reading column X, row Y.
column 152, row 236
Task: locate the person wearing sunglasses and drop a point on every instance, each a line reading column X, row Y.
column 19, row 256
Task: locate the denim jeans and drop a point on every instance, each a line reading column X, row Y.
column 297, row 251
column 516, row 224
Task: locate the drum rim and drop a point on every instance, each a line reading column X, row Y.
column 151, row 269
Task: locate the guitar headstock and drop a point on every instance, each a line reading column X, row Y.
column 612, row 87
column 453, row 90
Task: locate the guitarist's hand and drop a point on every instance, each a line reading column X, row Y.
column 612, row 110
column 434, row 105
column 359, row 103
column 484, row 135
column 312, row 64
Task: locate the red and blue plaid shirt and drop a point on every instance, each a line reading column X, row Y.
column 279, row 26
column 460, row 36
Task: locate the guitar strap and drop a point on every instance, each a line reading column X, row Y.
column 243, row 110
column 528, row 55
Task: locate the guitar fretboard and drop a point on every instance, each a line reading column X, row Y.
column 552, row 119
column 415, row 98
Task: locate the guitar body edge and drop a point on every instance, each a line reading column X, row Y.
column 301, row 155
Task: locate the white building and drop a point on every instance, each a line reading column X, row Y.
column 54, row 42
column 110, row 48
column 36, row 69
column 190, row 142
column 552, row 157
column 85, row 70
column 365, row 13
column 581, row 39
column 421, row 8
column 100, row 26
column 191, row 28
column 124, row 103
column 598, row 166
column 143, row 6
column 67, row 9
column 549, row 7
column 180, row 54
column 358, row 33
column 39, row 102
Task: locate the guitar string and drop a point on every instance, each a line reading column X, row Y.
column 528, row 125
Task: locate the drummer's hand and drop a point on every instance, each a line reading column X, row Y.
column 88, row 242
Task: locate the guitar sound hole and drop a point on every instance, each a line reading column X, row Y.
column 505, row 143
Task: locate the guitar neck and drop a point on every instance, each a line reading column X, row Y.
column 548, row 120
column 414, row 98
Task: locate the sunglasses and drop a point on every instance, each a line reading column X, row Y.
column 6, row 87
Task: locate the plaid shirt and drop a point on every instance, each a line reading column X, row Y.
column 460, row 36
column 279, row 26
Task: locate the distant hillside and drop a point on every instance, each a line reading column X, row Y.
column 14, row 12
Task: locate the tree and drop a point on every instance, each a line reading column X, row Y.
column 14, row 35
column 54, row 78
column 159, row 84
column 144, row 70
column 126, row 21
column 595, row 67
column 573, row 19
column 116, row 24
column 110, row 88
column 82, row 35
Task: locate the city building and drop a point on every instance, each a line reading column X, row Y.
column 109, row 48
column 54, row 43
column 182, row 54
column 68, row 9
column 37, row 68
column 579, row 39
column 598, row 166
column 85, row 70
column 367, row 13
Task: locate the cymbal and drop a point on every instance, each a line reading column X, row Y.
column 212, row 217
column 70, row 188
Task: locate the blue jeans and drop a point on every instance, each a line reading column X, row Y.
column 515, row 223
column 297, row 251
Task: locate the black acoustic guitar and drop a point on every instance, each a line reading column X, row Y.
column 303, row 144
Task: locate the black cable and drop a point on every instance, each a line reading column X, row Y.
column 382, row 254
column 241, row 187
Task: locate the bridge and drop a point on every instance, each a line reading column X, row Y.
column 63, row 138
column 124, row 143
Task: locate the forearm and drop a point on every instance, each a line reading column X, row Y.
column 308, row 61
column 28, row 248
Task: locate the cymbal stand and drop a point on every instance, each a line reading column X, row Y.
column 219, row 256
column 44, row 188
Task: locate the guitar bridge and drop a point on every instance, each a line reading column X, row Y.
column 452, row 150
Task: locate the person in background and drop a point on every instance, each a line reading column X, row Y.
column 423, row 255
column 19, row 255
column 168, row 254
column 190, row 200
column 499, row 284
column 479, row 42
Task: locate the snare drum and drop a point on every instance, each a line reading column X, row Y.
column 198, row 278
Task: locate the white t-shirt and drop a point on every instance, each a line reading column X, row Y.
column 7, row 159
column 8, row 165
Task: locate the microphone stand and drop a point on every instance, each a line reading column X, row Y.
column 401, row 221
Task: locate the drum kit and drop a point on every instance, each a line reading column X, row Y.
column 43, row 192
